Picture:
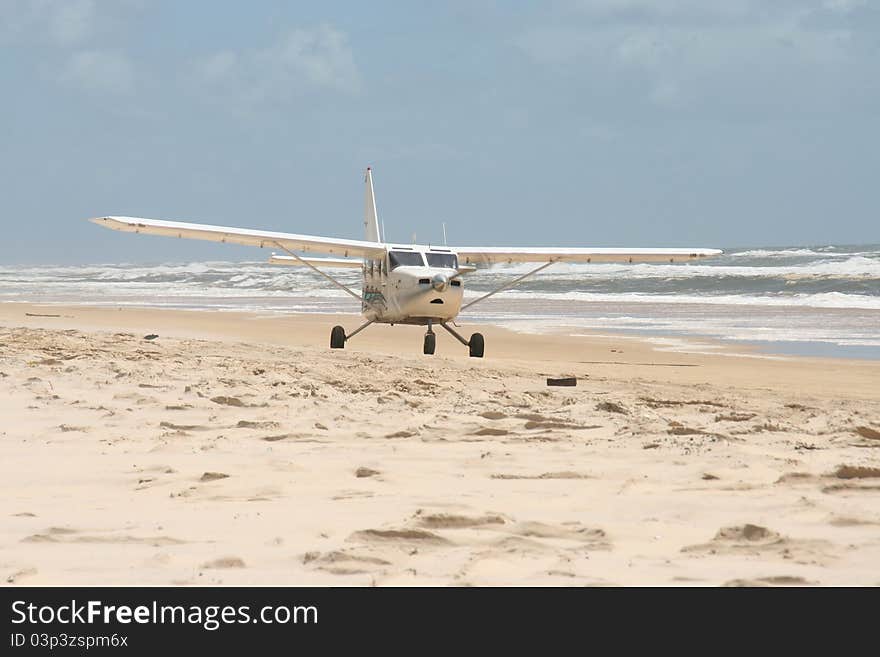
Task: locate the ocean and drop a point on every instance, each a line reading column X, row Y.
column 818, row 300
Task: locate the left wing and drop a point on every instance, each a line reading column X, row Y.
column 314, row 262
column 246, row 236
column 492, row 254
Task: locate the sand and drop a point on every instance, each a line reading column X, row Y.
column 239, row 449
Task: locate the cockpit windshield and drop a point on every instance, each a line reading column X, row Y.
column 405, row 259
column 447, row 260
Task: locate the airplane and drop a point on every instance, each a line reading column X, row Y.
column 401, row 283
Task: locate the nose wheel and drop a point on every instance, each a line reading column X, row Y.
column 430, row 343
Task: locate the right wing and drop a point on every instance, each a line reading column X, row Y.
column 245, row 236
column 494, row 254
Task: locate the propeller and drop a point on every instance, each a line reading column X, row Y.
column 440, row 282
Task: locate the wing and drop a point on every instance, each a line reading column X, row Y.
column 490, row 254
column 248, row 237
column 315, row 262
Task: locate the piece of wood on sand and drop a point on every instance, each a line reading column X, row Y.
column 565, row 381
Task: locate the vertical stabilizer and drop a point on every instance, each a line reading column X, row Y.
column 371, row 219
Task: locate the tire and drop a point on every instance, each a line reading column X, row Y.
column 476, row 345
column 337, row 338
column 430, row 344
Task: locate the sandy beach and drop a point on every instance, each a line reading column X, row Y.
column 237, row 448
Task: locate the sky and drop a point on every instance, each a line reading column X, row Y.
column 565, row 122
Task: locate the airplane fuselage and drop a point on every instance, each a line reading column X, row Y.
column 412, row 285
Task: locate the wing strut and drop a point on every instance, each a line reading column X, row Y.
column 507, row 285
column 325, row 275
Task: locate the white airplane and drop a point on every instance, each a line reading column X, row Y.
column 402, row 283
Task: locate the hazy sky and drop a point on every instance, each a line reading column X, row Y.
column 577, row 122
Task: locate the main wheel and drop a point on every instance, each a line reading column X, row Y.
column 476, row 345
column 337, row 338
column 430, row 343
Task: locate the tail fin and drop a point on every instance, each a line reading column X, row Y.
column 371, row 219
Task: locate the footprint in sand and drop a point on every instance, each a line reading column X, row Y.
column 735, row 417
column 402, row 434
column 342, row 562
column 545, row 475
column 225, row 562
column 853, row 487
column 856, row 472
column 759, row 541
column 852, row 474
column 847, row 521
column 282, row 436
column 247, row 424
column 452, row 521
column 612, row 407
column 867, row 432
column 68, row 535
column 352, row 495
column 228, row 401
column 399, row 536
column 556, row 424
column 797, row 478
column 528, row 536
column 66, row 428
column 15, row 577
column 213, row 476
column 775, row 580
column 490, row 431
column 572, row 532
column 184, row 427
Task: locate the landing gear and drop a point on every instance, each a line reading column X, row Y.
column 337, row 338
column 430, row 343
column 476, row 345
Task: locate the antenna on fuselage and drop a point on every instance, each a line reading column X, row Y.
column 384, row 239
column 414, row 238
column 445, row 243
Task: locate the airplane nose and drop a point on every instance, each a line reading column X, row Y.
column 440, row 282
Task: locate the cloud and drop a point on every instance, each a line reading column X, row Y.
column 844, row 6
column 73, row 22
column 303, row 60
column 54, row 22
column 684, row 54
column 688, row 10
column 100, row 71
